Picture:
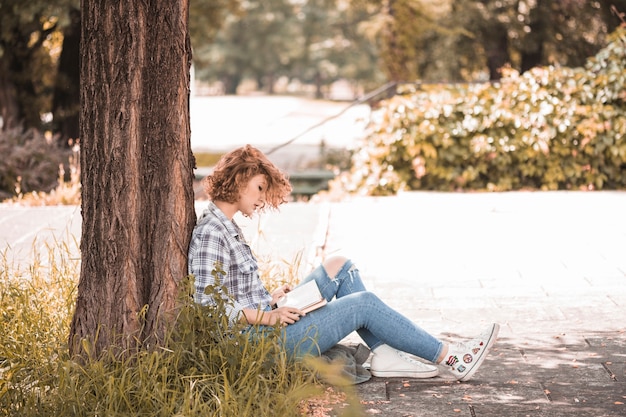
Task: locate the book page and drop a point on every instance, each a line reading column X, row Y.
column 301, row 296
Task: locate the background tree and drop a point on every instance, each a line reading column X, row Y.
column 403, row 23
column 39, row 69
column 322, row 43
column 136, row 171
column 272, row 50
column 30, row 37
column 260, row 43
column 526, row 34
column 206, row 18
column 66, row 97
column 334, row 46
column 358, row 62
column 313, row 41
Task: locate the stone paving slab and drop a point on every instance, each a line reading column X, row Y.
column 541, row 381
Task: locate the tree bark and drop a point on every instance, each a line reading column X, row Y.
column 136, row 171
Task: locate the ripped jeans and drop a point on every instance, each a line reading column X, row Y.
column 355, row 309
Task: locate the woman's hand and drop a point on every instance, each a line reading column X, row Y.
column 281, row 316
column 280, row 292
column 284, row 316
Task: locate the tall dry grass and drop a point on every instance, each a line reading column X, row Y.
column 202, row 369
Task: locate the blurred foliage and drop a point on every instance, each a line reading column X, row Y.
column 29, row 162
column 30, row 42
column 492, row 34
column 207, row 16
column 206, row 159
column 401, row 31
column 551, row 128
column 262, row 43
column 67, row 190
column 369, row 42
column 311, row 44
column 314, row 42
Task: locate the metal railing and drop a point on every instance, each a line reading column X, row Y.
column 368, row 97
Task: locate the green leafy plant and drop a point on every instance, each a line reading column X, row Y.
column 547, row 129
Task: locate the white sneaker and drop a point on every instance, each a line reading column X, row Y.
column 465, row 358
column 388, row 362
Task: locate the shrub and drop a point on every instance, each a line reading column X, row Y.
column 549, row 128
column 30, row 162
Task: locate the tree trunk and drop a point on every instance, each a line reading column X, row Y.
column 136, row 171
column 532, row 52
column 231, row 83
column 9, row 107
column 66, row 100
column 23, row 90
column 496, row 45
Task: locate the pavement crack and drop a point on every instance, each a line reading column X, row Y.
column 387, row 394
column 546, row 391
column 611, row 374
column 612, row 300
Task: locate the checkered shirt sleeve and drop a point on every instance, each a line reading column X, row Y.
column 218, row 244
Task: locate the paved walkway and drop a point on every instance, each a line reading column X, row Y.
column 550, row 267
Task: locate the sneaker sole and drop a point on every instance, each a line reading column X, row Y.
column 401, row 374
column 492, row 338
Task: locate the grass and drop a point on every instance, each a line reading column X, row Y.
column 206, row 159
column 203, row 369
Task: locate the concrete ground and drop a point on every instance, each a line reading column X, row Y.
column 550, row 267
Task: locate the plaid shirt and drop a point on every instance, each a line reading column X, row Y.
column 218, row 241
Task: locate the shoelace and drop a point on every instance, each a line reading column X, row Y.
column 469, row 346
column 407, row 358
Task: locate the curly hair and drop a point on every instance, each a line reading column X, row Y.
column 235, row 169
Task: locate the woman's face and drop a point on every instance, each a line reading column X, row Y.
column 253, row 195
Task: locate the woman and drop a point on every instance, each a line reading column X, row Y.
column 245, row 181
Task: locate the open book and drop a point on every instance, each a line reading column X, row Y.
column 306, row 297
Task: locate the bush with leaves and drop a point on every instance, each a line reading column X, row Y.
column 29, row 162
column 548, row 129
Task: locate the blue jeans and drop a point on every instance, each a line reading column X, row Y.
column 355, row 309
